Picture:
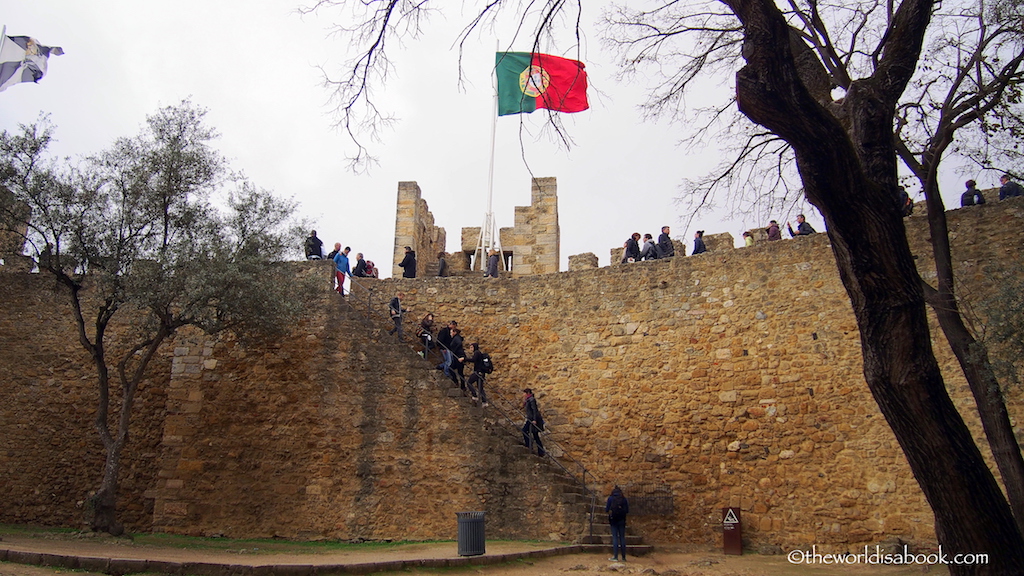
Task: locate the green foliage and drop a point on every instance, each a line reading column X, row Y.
column 137, row 220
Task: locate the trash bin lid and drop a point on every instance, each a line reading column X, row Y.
column 470, row 515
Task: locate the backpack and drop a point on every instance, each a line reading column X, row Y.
column 485, row 363
column 617, row 509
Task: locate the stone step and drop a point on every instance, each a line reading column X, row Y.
column 631, row 539
column 636, row 550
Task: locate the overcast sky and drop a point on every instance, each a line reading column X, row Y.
column 254, row 65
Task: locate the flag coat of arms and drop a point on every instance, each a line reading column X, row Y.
column 527, row 81
column 23, row 59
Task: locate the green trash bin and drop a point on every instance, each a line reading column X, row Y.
column 471, row 533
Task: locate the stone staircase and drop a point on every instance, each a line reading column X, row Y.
column 502, row 422
column 601, row 539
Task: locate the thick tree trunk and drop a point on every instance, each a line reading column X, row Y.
column 849, row 173
column 104, row 502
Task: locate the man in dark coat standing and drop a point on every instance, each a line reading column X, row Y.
column 534, row 422
column 408, row 263
column 665, row 246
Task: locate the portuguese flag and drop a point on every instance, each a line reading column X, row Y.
column 529, row 81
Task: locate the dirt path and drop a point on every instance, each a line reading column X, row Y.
column 660, row 563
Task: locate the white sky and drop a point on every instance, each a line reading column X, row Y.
column 253, row 64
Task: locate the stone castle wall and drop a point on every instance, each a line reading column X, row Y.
column 51, row 457
column 734, row 378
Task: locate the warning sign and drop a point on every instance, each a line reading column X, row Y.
column 730, row 516
column 732, row 538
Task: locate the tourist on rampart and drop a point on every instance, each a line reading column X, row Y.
column 333, row 253
column 371, row 270
column 617, row 508
column 492, row 264
column 360, row 270
column 650, row 250
column 803, row 228
column 1009, row 188
column 972, row 196
column 631, row 249
column 442, row 265
column 396, row 312
column 444, row 340
column 666, row 248
column 426, row 333
column 482, row 366
column 534, row 424
column 773, row 231
column 458, row 359
column 341, row 267
column 314, row 247
column 408, row 264
column 748, row 239
column 698, row 243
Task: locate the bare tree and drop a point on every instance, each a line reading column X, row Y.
column 126, row 237
column 974, row 63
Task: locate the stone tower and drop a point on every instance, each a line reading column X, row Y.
column 414, row 226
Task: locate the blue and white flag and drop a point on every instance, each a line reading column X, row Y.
column 23, row 59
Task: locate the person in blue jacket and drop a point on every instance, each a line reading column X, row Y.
column 698, row 243
column 617, row 508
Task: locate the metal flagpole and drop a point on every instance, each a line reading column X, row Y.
column 488, row 238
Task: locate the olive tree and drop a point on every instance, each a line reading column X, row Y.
column 132, row 233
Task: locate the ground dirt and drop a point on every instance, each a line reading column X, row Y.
column 664, row 561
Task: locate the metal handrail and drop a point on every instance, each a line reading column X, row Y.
column 358, row 293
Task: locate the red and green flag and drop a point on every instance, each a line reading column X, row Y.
column 527, row 81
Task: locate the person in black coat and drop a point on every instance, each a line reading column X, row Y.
column 458, row 359
column 698, row 243
column 534, row 422
column 360, row 270
column 408, row 264
column 476, row 356
column 631, row 252
column 666, row 248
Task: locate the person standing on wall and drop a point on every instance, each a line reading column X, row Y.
column 442, row 265
column 650, row 250
column 408, row 264
column 492, row 264
column 617, row 508
column 666, row 248
column 631, row 249
column 396, row 311
column 534, row 424
column 698, row 243
column 971, row 196
column 341, row 267
column 314, row 247
column 774, row 233
column 1009, row 188
column 360, row 270
column 803, row 228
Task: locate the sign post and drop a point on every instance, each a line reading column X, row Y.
column 732, row 533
